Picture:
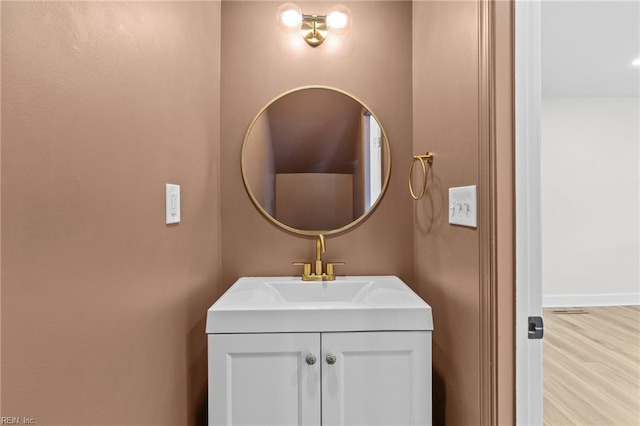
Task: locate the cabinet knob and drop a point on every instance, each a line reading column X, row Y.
column 331, row 359
column 310, row 359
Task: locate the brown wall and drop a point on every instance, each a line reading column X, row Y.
column 446, row 121
column 445, row 83
column 103, row 103
column 258, row 65
column 102, row 303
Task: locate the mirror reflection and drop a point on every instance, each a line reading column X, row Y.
column 315, row 160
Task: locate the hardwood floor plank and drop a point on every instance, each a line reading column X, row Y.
column 592, row 366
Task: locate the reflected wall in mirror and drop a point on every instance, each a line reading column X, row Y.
column 315, row 160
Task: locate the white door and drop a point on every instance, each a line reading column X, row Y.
column 528, row 211
column 376, row 378
column 264, row 379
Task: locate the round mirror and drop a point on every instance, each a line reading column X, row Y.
column 315, row 160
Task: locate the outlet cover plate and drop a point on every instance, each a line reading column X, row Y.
column 172, row 204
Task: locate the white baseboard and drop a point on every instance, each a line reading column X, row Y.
column 583, row 300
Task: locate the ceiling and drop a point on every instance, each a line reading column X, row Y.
column 588, row 47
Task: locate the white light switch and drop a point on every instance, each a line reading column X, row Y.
column 462, row 206
column 172, row 203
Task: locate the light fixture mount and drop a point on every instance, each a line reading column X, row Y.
column 314, row 29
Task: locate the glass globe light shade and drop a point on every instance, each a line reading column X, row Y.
column 289, row 17
column 339, row 19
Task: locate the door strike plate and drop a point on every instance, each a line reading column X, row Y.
column 536, row 328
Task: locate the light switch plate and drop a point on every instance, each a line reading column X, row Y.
column 463, row 208
column 172, row 203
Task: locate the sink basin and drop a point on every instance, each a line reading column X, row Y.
column 288, row 304
column 346, row 291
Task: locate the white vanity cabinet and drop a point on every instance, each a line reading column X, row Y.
column 263, row 379
column 355, row 351
column 351, row 378
column 379, row 378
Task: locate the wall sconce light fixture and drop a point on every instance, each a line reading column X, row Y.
column 313, row 28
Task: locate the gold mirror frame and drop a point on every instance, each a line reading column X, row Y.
column 356, row 222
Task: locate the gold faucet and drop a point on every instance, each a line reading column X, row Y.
column 320, row 248
column 318, row 274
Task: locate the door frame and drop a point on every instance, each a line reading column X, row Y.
column 496, row 212
column 528, row 105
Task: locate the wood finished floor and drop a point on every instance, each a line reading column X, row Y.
column 592, row 366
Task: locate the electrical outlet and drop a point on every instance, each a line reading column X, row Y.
column 463, row 208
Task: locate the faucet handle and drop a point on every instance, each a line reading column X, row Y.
column 306, row 267
column 330, row 266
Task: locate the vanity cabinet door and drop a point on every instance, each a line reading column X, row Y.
column 376, row 378
column 264, row 379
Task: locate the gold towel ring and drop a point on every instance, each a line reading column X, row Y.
column 429, row 157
